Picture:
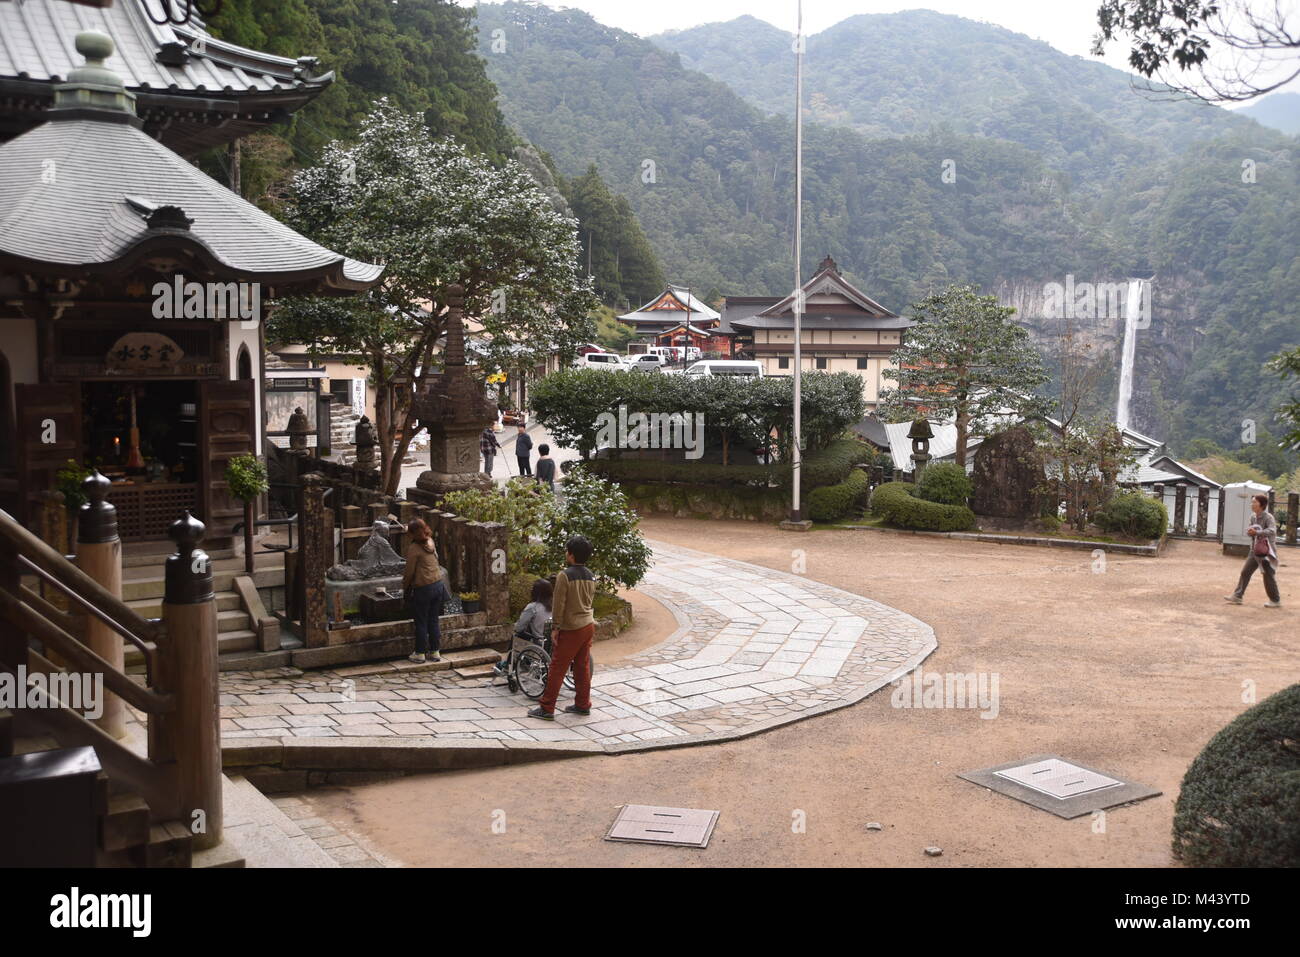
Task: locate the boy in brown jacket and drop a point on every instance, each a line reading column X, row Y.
column 574, row 628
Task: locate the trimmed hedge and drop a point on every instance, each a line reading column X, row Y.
column 831, row 502
column 1239, row 805
column 1132, row 513
column 829, row 466
column 946, row 483
column 896, row 503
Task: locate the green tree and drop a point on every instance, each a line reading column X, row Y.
column 966, row 361
column 435, row 216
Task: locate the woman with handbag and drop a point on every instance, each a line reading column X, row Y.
column 425, row 590
column 1263, row 554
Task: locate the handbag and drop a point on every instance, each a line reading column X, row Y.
column 1260, row 547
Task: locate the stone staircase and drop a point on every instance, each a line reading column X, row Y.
column 237, row 637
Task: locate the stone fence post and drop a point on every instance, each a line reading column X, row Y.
column 493, row 577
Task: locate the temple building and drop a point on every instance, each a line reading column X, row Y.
column 672, row 311
column 843, row 330
column 132, row 285
column 192, row 91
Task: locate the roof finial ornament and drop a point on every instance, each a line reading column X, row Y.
column 93, row 86
column 828, row 263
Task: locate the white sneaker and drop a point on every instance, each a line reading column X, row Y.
column 1272, row 604
column 1232, row 599
column 417, row 658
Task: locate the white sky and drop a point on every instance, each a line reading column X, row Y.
column 1068, row 25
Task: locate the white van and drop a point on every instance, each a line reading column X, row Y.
column 602, row 360
column 647, row 362
column 738, row 367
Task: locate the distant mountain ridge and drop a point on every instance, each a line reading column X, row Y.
column 904, row 73
column 1278, row 111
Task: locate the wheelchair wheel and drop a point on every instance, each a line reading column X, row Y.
column 531, row 666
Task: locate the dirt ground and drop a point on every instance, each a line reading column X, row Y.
column 1129, row 669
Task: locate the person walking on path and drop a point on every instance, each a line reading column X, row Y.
column 574, row 629
column 523, row 450
column 1263, row 554
column 545, row 466
column 488, row 445
column 424, row 587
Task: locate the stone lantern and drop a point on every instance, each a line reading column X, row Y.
column 455, row 411
column 298, row 429
column 920, row 433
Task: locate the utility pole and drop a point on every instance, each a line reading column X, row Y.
column 796, row 519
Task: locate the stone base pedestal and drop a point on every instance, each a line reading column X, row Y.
column 790, row 526
column 431, row 486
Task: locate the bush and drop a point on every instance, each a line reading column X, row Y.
column 946, row 483
column 524, row 507
column 832, row 502
column 1239, row 805
column 68, row 480
column 246, row 476
column 598, row 510
column 1134, row 514
column 895, row 504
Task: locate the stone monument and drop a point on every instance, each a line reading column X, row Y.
column 364, row 439
column 376, row 567
column 455, row 410
column 1008, row 476
column 298, row 429
column 920, row 433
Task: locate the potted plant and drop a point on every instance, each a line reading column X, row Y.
column 68, row 480
column 246, row 476
column 470, row 602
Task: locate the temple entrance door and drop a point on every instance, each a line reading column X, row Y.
column 49, row 433
column 226, row 430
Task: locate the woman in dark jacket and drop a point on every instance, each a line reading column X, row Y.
column 424, row 588
column 1263, row 527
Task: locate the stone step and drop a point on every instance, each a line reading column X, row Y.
column 170, row 845
column 232, row 620
column 233, row 641
column 152, row 607
column 478, row 671
column 222, row 581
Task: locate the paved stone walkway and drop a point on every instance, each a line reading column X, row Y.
column 754, row 648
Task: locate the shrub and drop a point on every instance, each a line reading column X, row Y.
column 832, row 502
column 1048, row 523
column 896, row 505
column 68, row 481
column 246, row 476
column 946, row 483
column 525, row 508
column 1132, row 513
column 598, row 510
column 1239, row 805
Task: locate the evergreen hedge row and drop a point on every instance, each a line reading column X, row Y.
column 896, row 503
column 830, row 503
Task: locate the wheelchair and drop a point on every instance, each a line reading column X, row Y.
column 529, row 664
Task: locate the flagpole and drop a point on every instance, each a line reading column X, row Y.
column 796, row 452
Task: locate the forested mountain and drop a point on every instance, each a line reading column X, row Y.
column 906, row 73
column 1279, row 111
column 710, row 177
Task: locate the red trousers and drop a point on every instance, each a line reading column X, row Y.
column 572, row 649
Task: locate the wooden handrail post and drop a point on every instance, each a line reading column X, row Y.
column 13, row 643
column 99, row 555
column 191, row 736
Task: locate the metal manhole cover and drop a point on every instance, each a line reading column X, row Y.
column 679, row 826
column 1058, row 779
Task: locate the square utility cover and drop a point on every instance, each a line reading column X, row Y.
column 1064, row 788
column 682, row 827
column 1057, row 778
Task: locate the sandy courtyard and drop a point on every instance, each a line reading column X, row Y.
column 1129, row 669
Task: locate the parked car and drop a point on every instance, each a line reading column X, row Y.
column 647, row 362
column 602, row 360
column 738, row 367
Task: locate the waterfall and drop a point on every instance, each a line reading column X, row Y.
column 1132, row 314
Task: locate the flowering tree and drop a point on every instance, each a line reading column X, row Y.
column 433, row 215
column 964, row 360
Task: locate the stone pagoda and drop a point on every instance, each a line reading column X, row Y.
column 455, row 410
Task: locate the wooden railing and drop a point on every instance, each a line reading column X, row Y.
column 181, row 776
